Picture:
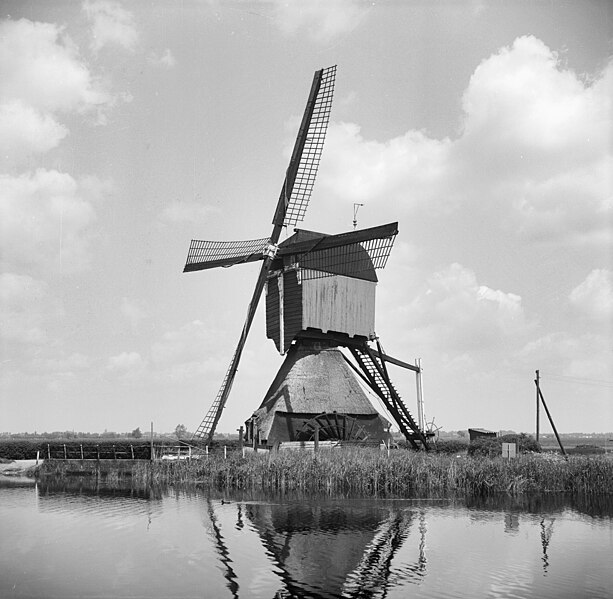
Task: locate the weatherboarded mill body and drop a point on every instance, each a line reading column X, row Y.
column 321, row 294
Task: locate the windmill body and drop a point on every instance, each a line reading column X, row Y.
column 325, row 283
column 320, row 296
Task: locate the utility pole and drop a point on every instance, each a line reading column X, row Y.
column 553, row 426
column 538, row 378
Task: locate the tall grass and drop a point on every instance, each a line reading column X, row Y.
column 373, row 473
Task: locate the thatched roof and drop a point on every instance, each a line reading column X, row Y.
column 313, row 379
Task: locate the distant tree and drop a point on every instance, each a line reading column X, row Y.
column 462, row 434
column 180, row 431
column 136, row 433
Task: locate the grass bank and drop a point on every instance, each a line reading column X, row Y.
column 374, row 473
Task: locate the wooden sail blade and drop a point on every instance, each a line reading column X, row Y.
column 207, row 427
column 304, row 162
column 203, row 255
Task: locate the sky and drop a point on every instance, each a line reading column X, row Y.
column 129, row 128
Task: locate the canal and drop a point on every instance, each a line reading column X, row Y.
column 85, row 539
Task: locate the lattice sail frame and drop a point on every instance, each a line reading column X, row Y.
column 309, row 160
column 235, row 252
column 350, row 259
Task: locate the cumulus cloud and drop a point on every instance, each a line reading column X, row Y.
column 453, row 311
column 594, row 296
column 411, row 166
column 533, row 151
column 112, row 24
column 522, row 97
column 45, row 219
column 41, row 67
column 126, row 362
column 43, row 77
column 24, row 130
column 321, row 20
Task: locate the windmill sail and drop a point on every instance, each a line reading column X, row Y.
column 302, row 169
column 291, row 206
column 203, row 255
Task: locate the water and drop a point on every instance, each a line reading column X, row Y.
column 90, row 541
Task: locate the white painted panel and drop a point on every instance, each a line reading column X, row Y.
column 339, row 303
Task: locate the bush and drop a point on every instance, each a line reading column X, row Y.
column 586, row 450
column 492, row 446
column 450, row 446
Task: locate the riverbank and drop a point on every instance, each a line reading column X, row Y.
column 367, row 472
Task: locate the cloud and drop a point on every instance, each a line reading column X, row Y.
column 41, row 67
column 111, row 25
column 585, row 356
column 126, row 362
column 322, row 20
column 594, row 296
column 532, row 152
column 410, row 167
column 24, row 130
column 464, row 316
column 46, row 219
column 177, row 212
column 21, row 301
column 43, row 76
column 522, row 97
column 166, row 60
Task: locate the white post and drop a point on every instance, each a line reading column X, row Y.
column 420, row 396
column 38, row 453
column 225, row 452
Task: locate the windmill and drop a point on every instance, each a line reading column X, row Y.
column 320, row 292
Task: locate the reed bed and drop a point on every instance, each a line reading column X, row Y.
column 372, row 473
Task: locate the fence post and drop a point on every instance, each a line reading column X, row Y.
column 114, row 453
column 316, row 445
column 225, row 452
column 97, row 452
column 132, row 450
column 48, row 452
column 81, row 451
column 65, row 455
column 37, row 456
column 206, row 450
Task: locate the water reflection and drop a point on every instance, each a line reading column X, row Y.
column 332, row 550
column 83, row 538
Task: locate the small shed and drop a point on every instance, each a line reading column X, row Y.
column 477, row 433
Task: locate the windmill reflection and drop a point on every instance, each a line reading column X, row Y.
column 324, row 551
column 546, row 532
column 222, row 550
